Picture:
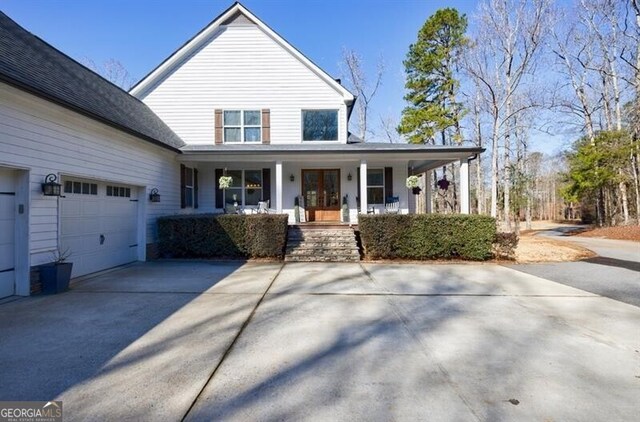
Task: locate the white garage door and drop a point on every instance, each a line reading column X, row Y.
column 98, row 224
column 7, row 231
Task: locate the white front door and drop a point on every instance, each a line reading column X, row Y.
column 7, row 231
column 98, row 224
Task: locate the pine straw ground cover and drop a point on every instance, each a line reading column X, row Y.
column 618, row 232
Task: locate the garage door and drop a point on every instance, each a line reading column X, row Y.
column 7, row 231
column 98, row 224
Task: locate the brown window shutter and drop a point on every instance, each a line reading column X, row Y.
column 218, row 126
column 183, row 188
column 195, row 188
column 219, row 192
column 358, row 188
column 266, row 126
column 266, row 184
column 388, row 183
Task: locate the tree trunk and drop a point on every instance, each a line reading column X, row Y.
column 625, row 201
column 636, row 185
column 494, row 168
column 479, row 185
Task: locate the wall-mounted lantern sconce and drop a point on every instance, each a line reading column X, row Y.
column 50, row 187
column 292, row 177
column 154, row 196
column 349, row 176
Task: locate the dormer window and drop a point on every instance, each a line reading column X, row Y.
column 242, row 126
column 319, row 125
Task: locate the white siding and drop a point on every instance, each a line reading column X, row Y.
column 241, row 67
column 45, row 138
column 292, row 189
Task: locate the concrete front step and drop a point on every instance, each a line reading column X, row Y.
column 324, row 252
column 314, row 258
column 312, row 235
column 320, row 244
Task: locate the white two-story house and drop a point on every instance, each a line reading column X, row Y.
column 251, row 106
column 236, row 100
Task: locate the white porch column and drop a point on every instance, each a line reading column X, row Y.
column 363, row 186
column 279, row 186
column 464, row 186
column 428, row 186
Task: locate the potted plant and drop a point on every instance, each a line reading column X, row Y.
column 296, row 208
column 56, row 275
column 345, row 208
column 413, row 184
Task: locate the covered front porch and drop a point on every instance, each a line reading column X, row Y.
column 320, row 183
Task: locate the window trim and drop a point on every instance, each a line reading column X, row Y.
column 243, row 188
column 242, row 126
column 382, row 186
column 302, row 111
column 71, row 183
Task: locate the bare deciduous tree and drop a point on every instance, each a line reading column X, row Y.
column 510, row 37
column 364, row 90
column 112, row 70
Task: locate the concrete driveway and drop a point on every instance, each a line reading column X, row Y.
column 224, row 341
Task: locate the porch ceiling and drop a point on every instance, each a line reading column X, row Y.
column 420, row 157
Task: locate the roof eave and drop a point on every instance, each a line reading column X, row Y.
column 69, row 106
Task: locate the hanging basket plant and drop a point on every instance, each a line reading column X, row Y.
column 413, row 182
column 443, row 183
column 225, row 182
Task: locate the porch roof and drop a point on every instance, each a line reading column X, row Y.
column 419, row 157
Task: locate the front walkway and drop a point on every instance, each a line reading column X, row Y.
column 163, row 341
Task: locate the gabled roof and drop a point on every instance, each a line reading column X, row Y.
column 30, row 64
column 234, row 12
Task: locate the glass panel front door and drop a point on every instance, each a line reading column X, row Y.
column 321, row 190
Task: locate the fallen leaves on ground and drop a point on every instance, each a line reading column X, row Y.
column 542, row 249
column 618, row 232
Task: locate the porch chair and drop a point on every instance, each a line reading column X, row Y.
column 263, row 208
column 392, row 205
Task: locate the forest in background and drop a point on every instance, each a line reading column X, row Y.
column 526, row 69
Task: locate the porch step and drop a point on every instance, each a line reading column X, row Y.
column 315, row 244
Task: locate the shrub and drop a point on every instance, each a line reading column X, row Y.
column 427, row 236
column 504, row 245
column 221, row 235
column 266, row 235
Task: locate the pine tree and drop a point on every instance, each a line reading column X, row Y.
column 431, row 84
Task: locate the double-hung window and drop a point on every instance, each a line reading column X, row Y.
column 319, row 125
column 375, row 186
column 242, row 126
column 246, row 187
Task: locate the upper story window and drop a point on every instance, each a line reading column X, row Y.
column 319, row 125
column 242, row 126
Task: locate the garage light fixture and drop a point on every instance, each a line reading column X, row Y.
column 154, row 196
column 292, row 177
column 50, row 187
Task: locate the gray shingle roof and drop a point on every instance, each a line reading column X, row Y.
column 31, row 64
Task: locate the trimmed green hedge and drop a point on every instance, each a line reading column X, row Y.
column 427, row 236
column 222, row 236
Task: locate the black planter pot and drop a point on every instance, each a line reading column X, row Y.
column 416, row 190
column 55, row 277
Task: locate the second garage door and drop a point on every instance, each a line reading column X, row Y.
column 7, row 232
column 98, row 224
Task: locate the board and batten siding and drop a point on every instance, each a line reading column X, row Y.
column 46, row 138
column 241, row 67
